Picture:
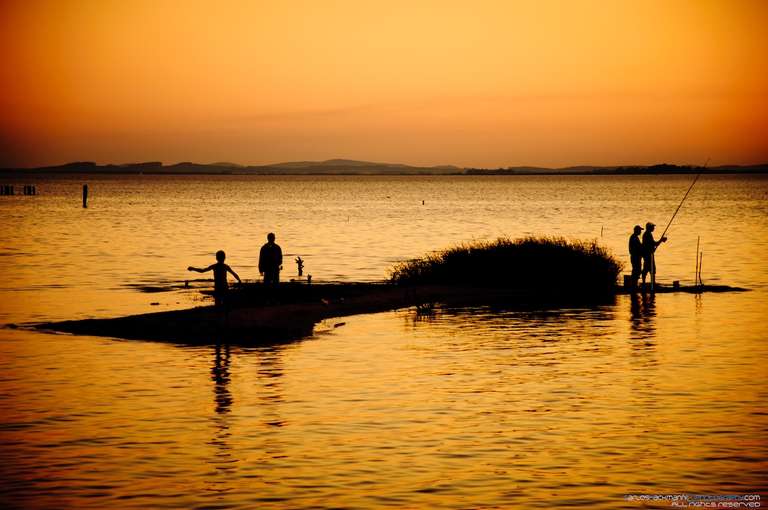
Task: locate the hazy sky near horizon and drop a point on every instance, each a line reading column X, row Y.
column 481, row 83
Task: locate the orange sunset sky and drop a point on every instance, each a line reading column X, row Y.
column 470, row 83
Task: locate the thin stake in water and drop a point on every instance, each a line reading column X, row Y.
column 696, row 270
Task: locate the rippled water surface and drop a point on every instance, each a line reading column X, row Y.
column 440, row 408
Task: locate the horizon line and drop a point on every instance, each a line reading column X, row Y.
column 357, row 163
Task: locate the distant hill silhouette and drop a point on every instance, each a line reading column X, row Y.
column 329, row 167
column 335, row 163
column 353, row 167
column 663, row 168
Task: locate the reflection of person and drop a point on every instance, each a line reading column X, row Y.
column 643, row 318
column 649, row 247
column 270, row 261
column 220, row 270
column 220, row 376
column 636, row 254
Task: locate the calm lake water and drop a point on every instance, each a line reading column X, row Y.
column 457, row 408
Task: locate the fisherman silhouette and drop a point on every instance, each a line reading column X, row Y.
column 220, row 269
column 271, row 261
column 636, row 254
column 649, row 247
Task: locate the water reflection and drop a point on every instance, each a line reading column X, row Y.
column 643, row 378
column 270, row 373
column 546, row 325
column 223, row 460
column 425, row 312
column 220, row 377
column 642, row 317
column 231, row 420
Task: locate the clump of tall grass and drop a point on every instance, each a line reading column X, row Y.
column 546, row 263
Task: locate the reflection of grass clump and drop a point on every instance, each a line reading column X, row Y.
column 530, row 263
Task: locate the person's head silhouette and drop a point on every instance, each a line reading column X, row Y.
column 271, row 237
column 220, row 256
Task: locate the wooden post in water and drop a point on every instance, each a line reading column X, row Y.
column 85, row 196
column 701, row 257
column 696, row 271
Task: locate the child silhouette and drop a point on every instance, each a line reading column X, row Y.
column 220, row 269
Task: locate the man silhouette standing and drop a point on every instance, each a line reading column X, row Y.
column 649, row 247
column 270, row 261
column 636, row 254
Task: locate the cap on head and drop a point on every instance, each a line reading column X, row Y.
column 271, row 237
column 649, row 225
column 638, row 228
column 220, row 255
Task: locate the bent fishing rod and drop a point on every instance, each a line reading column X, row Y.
column 684, row 197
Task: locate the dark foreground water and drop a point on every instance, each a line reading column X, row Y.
column 445, row 408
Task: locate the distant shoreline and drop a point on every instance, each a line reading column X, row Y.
column 359, row 168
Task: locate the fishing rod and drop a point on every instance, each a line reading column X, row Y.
column 684, row 197
column 653, row 255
